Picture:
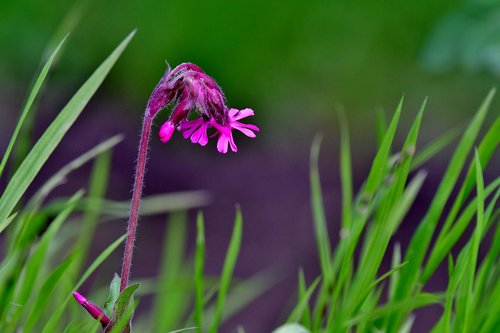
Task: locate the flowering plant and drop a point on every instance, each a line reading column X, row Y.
column 185, row 88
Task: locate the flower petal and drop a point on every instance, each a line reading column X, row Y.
column 222, row 144
column 203, row 137
column 246, row 129
column 189, row 126
column 242, row 114
column 166, row 131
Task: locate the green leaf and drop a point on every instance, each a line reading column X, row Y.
column 444, row 244
column 370, row 263
column 381, row 125
column 61, row 175
column 114, row 292
column 170, row 302
column 409, row 304
column 227, row 271
column 345, row 172
column 47, row 143
column 474, row 247
column 435, row 147
column 97, row 190
column 302, row 303
column 380, row 161
column 301, row 294
column 319, row 219
column 121, row 310
column 29, row 102
column 6, row 222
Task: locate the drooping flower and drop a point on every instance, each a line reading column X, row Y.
column 188, row 88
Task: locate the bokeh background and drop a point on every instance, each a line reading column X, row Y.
column 295, row 63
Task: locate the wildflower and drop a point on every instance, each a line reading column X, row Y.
column 92, row 309
column 188, row 88
column 185, row 88
column 225, row 131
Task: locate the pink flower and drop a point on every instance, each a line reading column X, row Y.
column 188, row 88
column 225, row 131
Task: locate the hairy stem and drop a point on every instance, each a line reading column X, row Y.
column 136, row 199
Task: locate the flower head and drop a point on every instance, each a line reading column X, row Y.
column 188, row 88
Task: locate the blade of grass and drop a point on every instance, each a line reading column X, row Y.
column 26, row 227
column 370, row 264
column 409, row 304
column 381, row 125
column 422, row 237
column 6, row 222
column 396, row 261
column 35, row 263
column 227, row 271
column 150, row 205
column 492, row 321
column 29, row 102
column 474, row 247
column 488, row 264
column 486, row 149
column 47, row 143
column 435, row 147
column 345, row 172
column 380, row 161
column 54, row 319
column 97, row 190
column 68, row 24
column 47, row 289
column 320, row 229
column 366, row 202
column 170, row 304
column 301, row 294
column 61, row 175
column 302, row 304
column 444, row 246
column 198, row 272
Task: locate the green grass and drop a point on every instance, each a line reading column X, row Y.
column 352, row 284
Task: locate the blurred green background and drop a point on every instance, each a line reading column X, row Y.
column 292, row 61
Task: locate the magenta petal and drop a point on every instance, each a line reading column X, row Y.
column 189, row 126
column 233, row 145
column 203, row 140
column 243, row 114
column 222, row 144
column 166, row 131
column 196, row 129
column 195, row 138
column 233, row 112
column 246, row 129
